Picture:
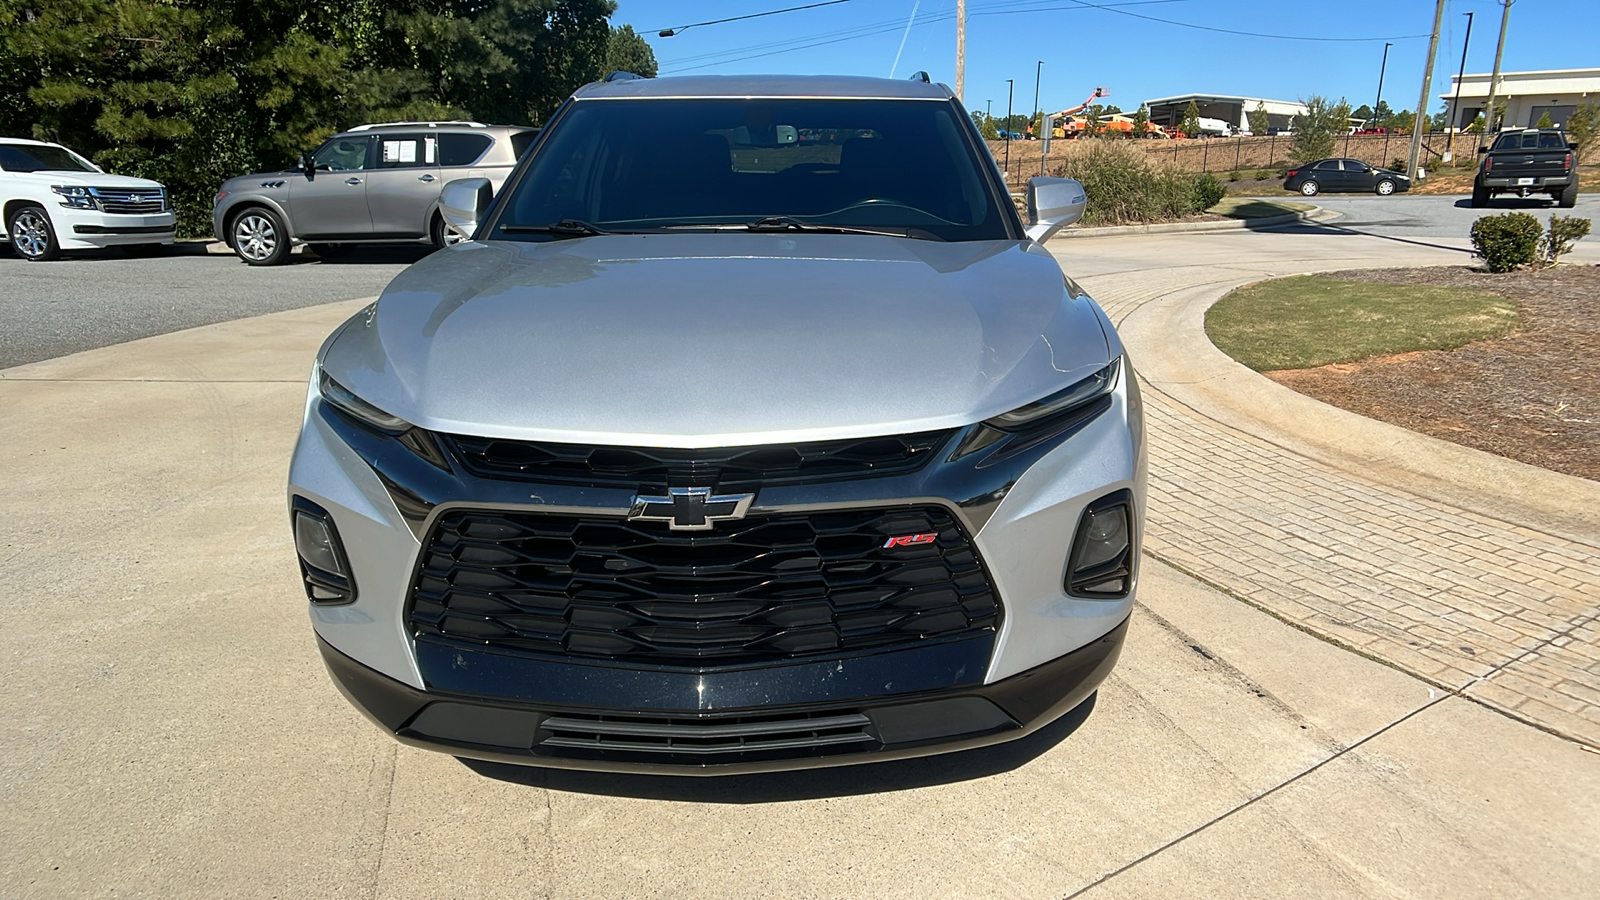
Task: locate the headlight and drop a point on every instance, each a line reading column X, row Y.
column 74, row 197
column 1072, row 397
column 357, row 408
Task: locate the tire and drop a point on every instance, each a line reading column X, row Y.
column 442, row 235
column 1385, row 187
column 1480, row 196
column 331, row 251
column 1568, row 198
column 1309, row 188
column 259, row 236
column 32, row 236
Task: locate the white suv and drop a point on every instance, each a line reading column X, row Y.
column 53, row 199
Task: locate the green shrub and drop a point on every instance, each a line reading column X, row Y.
column 1234, row 175
column 1208, row 191
column 1397, row 165
column 1507, row 241
column 1126, row 185
column 1564, row 232
column 1265, row 175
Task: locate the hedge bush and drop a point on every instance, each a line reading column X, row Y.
column 1208, row 191
column 1508, row 241
column 1126, row 186
column 1564, row 232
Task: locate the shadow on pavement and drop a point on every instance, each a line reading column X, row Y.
column 807, row 784
column 1540, row 202
column 1305, row 227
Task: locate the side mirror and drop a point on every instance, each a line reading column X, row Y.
column 1482, row 150
column 1053, row 204
column 303, row 164
column 463, row 203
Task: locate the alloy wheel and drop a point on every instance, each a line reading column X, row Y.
column 30, row 234
column 254, row 236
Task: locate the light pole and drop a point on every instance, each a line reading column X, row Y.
column 1036, row 70
column 1381, row 69
column 1451, row 125
column 1010, row 85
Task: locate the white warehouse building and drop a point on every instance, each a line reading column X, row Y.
column 1233, row 110
column 1526, row 96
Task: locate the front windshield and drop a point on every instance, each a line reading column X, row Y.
column 901, row 166
column 41, row 158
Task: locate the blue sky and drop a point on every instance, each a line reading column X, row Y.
column 1136, row 59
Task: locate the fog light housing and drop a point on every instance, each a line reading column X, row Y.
column 1101, row 565
column 324, row 568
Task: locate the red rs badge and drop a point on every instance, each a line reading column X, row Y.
column 910, row 540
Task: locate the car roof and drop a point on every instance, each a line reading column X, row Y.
column 853, row 87
column 436, row 127
column 28, row 142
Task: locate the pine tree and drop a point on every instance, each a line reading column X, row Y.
column 1191, row 121
column 1544, row 121
column 1141, row 122
column 1258, row 119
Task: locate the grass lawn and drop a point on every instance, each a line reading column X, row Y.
column 1244, row 208
column 1312, row 320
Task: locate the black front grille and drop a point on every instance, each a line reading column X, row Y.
column 130, row 202
column 724, row 466
column 705, row 741
column 765, row 588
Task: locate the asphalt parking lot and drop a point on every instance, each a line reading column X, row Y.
column 94, row 299
column 1435, row 216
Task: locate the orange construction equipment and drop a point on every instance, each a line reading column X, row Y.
column 1065, row 120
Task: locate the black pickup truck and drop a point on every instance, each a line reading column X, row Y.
column 1533, row 161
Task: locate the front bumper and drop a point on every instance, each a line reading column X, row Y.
column 749, row 736
column 85, row 229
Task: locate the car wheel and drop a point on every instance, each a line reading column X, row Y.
column 32, row 236
column 259, row 237
column 1568, row 198
column 1480, row 196
column 1310, row 188
column 443, row 235
column 331, row 251
column 1385, row 187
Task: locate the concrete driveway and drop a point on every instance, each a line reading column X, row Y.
column 168, row 731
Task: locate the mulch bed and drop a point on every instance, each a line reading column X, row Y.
column 1532, row 396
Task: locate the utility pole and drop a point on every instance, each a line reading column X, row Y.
column 1383, row 67
column 1036, row 70
column 1420, row 121
column 961, row 47
column 1490, row 126
column 1010, row 85
column 1451, row 126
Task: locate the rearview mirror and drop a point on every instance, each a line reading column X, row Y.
column 463, row 203
column 1053, row 204
column 303, row 164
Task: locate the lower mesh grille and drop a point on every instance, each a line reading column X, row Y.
column 765, row 588
column 705, row 740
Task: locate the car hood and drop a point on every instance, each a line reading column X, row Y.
column 93, row 179
column 697, row 340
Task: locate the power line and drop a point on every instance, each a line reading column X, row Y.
column 855, row 32
column 669, row 32
column 1276, row 37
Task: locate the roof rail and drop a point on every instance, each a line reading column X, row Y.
column 920, row 76
column 620, row 75
column 371, row 125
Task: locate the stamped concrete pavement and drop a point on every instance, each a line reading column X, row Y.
column 168, row 731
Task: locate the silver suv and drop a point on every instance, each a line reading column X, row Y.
column 371, row 184
column 753, row 429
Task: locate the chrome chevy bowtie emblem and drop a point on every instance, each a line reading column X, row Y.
column 690, row 509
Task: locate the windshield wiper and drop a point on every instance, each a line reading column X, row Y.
column 573, row 227
column 789, row 223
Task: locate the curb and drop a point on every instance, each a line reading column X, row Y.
column 1311, row 215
